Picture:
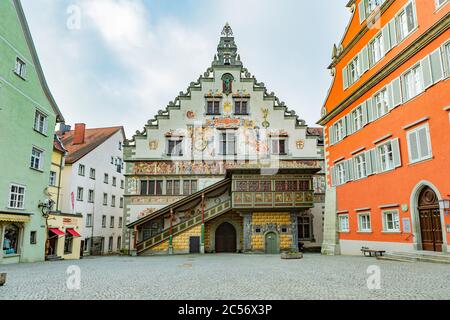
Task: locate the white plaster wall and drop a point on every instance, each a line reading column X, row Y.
column 100, row 160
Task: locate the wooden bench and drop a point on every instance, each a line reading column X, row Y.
column 372, row 253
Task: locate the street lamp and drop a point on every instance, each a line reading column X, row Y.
column 46, row 207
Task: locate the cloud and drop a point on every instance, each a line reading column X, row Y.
column 131, row 57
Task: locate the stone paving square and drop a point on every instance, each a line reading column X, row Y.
column 226, row 277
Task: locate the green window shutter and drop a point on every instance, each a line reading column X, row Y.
column 375, row 114
column 362, row 11
column 345, row 77
column 413, row 149
column 344, row 126
column 331, row 135
column 403, row 87
column 396, row 93
column 436, row 66
column 423, row 142
column 369, row 164
column 386, row 39
column 369, row 110
column 349, row 124
column 396, row 153
column 392, row 33
column 364, row 58
column 375, row 159
column 446, row 61
column 364, row 113
column 427, row 77
column 390, row 94
column 350, row 169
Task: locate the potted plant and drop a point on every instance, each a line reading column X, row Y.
column 291, row 254
column 2, row 279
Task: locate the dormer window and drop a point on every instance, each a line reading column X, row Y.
column 175, row 147
column 213, row 107
column 241, row 107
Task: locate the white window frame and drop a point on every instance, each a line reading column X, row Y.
column 402, row 33
column 41, row 122
column 360, row 162
column 354, row 70
column 412, row 82
column 340, row 173
column 430, row 149
column 276, row 151
column 360, row 222
column 40, row 158
column 383, row 152
column 228, row 142
column 439, row 6
column 395, row 221
column 376, row 49
column 357, row 118
column 17, row 195
column 341, row 218
column 177, row 150
column 446, row 57
column 339, row 130
column 381, row 102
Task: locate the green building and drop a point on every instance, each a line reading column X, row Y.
column 28, row 115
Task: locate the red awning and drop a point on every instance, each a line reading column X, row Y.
column 73, row 232
column 56, row 231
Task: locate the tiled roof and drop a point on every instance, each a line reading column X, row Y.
column 93, row 138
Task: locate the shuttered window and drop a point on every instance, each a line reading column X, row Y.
column 419, row 144
column 412, row 83
column 360, row 165
column 381, row 103
column 357, row 119
column 388, row 156
column 377, row 49
column 340, row 173
column 406, row 21
column 339, row 130
column 446, row 50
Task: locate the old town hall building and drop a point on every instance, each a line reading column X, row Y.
column 226, row 167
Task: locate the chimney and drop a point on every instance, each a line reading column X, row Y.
column 80, row 130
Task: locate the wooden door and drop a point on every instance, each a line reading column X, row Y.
column 194, row 245
column 430, row 221
column 226, row 238
column 271, row 243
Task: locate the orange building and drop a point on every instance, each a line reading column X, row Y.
column 387, row 129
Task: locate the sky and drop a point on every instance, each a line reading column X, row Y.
column 117, row 62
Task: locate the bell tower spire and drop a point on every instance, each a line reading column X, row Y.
column 227, row 49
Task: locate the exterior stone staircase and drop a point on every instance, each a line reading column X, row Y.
column 417, row 256
column 210, row 214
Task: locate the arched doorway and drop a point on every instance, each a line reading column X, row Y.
column 226, row 238
column 271, row 243
column 430, row 220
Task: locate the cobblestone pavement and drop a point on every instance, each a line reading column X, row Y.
column 226, row 277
